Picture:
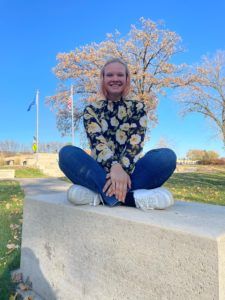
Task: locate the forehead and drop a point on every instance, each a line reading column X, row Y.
column 115, row 67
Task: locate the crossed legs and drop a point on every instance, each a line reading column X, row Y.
column 151, row 171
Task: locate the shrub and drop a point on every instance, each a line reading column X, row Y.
column 216, row 161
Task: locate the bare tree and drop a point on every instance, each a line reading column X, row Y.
column 164, row 142
column 205, row 92
column 51, row 147
column 11, row 146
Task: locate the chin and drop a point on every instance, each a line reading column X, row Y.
column 115, row 93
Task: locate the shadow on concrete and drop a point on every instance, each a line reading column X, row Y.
column 31, row 270
column 37, row 186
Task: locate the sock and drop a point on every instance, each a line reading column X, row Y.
column 129, row 200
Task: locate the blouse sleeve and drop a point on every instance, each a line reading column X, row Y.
column 98, row 143
column 136, row 135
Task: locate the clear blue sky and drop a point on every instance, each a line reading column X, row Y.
column 33, row 32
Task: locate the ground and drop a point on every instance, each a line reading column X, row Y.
column 191, row 183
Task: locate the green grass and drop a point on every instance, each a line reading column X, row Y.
column 199, row 187
column 26, row 172
column 29, row 173
column 11, row 204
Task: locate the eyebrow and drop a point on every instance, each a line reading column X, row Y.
column 120, row 73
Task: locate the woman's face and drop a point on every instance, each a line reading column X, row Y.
column 114, row 80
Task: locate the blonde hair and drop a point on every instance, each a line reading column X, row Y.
column 102, row 74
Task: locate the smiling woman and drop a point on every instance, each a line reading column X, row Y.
column 115, row 80
column 115, row 174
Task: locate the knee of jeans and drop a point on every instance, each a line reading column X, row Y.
column 171, row 157
column 66, row 151
column 166, row 157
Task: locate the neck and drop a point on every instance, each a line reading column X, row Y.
column 114, row 98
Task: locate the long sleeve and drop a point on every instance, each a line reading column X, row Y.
column 95, row 132
column 136, row 135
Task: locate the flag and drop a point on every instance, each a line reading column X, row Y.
column 31, row 104
column 69, row 103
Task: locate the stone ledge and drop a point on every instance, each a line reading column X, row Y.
column 86, row 252
column 7, row 174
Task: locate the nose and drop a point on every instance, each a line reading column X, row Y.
column 115, row 78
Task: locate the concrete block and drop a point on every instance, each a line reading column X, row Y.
column 120, row 253
column 7, row 174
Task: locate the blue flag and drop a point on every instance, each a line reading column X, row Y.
column 32, row 103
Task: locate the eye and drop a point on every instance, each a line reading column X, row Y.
column 108, row 74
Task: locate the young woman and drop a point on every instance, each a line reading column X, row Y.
column 115, row 174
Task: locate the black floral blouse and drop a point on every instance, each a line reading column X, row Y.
column 116, row 131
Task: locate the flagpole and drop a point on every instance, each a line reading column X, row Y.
column 72, row 117
column 37, row 117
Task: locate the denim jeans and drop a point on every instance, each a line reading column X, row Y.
column 150, row 172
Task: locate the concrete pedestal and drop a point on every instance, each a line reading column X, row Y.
column 103, row 253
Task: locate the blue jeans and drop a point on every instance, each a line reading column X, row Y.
column 150, row 172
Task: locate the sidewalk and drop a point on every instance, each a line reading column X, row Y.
column 36, row 186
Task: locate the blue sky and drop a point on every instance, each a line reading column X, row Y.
column 33, row 32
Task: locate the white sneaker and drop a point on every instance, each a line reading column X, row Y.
column 159, row 198
column 80, row 195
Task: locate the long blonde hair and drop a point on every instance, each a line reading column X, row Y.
column 102, row 74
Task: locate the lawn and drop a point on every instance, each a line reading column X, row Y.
column 11, row 205
column 199, row 187
column 206, row 184
column 26, row 172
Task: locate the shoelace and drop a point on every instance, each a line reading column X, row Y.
column 145, row 203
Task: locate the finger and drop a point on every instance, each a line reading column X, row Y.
column 106, row 186
column 119, row 188
column 113, row 184
column 108, row 175
column 129, row 182
column 110, row 191
column 124, row 192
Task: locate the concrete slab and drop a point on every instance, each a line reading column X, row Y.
column 86, row 252
column 7, row 174
column 37, row 186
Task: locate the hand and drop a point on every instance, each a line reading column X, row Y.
column 107, row 184
column 117, row 183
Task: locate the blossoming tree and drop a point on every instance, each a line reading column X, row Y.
column 148, row 50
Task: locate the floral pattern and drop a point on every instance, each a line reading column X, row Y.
column 116, row 131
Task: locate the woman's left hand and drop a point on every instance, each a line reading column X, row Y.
column 118, row 182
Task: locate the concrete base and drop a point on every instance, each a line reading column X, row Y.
column 79, row 253
column 7, row 174
column 48, row 164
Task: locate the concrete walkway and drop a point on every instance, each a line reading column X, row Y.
column 36, row 186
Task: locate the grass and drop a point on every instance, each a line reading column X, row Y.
column 29, row 173
column 26, row 172
column 11, row 204
column 206, row 185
